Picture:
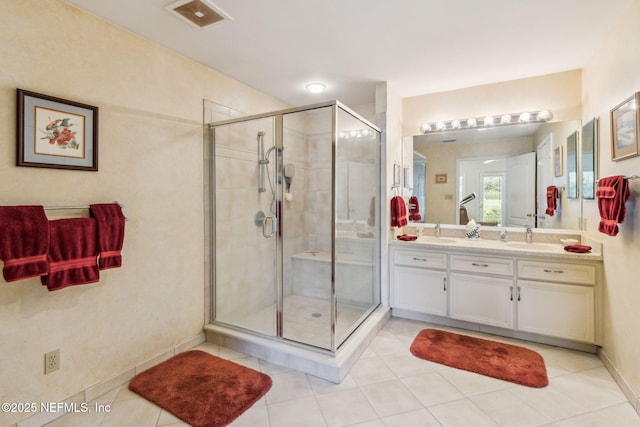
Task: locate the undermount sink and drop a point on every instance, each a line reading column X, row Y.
column 533, row 246
column 431, row 239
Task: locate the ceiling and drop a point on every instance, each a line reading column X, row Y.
column 418, row 46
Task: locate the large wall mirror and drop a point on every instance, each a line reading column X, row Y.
column 497, row 176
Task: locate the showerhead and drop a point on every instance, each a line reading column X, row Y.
column 469, row 198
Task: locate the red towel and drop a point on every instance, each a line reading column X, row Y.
column 398, row 212
column 552, row 197
column 580, row 249
column 612, row 194
column 414, row 209
column 73, row 253
column 24, row 241
column 407, row 238
column 110, row 223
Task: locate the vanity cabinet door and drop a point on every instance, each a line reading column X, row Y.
column 420, row 290
column 482, row 299
column 558, row 310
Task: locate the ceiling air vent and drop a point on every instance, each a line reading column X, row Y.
column 200, row 13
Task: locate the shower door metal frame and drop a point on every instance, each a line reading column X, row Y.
column 279, row 252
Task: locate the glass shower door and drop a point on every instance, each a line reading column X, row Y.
column 245, row 224
column 306, row 235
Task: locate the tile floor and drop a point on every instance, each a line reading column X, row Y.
column 390, row 387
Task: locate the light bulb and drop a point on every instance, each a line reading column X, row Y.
column 440, row 125
column 455, row 124
column 525, row 117
column 488, row 121
column 472, row 123
column 505, row 119
column 426, row 127
column 544, row 115
column 316, row 87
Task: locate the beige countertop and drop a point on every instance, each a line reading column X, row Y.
column 498, row 247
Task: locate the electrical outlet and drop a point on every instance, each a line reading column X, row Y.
column 51, row 361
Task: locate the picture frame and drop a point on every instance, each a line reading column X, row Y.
column 625, row 125
column 441, row 178
column 557, row 161
column 56, row 133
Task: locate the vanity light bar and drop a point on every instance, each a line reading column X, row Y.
column 356, row 134
column 488, row 121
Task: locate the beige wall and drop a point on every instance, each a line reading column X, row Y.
column 151, row 160
column 612, row 75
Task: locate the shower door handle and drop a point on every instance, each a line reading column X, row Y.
column 261, row 221
column 274, row 226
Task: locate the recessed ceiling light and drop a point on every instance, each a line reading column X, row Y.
column 316, row 87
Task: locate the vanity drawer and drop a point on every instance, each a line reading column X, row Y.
column 488, row 265
column 557, row 272
column 420, row 259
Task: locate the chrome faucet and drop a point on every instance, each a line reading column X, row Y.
column 503, row 235
column 529, row 234
column 437, row 230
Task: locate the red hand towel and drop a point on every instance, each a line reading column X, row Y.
column 580, row 249
column 73, row 253
column 612, row 194
column 24, row 241
column 398, row 212
column 552, row 197
column 407, row 238
column 110, row 222
column 414, row 209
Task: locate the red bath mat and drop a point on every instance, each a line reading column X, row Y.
column 494, row 359
column 201, row 389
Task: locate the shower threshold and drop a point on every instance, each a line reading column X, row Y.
column 331, row 367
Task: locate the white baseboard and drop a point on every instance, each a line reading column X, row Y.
column 622, row 383
column 93, row 392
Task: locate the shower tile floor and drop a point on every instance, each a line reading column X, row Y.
column 388, row 386
column 306, row 320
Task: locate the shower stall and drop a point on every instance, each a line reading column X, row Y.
column 295, row 225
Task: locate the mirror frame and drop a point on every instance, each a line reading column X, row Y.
column 589, row 159
column 572, row 166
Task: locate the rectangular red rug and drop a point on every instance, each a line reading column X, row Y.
column 494, row 359
column 201, row 389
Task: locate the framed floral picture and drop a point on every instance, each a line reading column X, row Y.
column 56, row 133
column 625, row 125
